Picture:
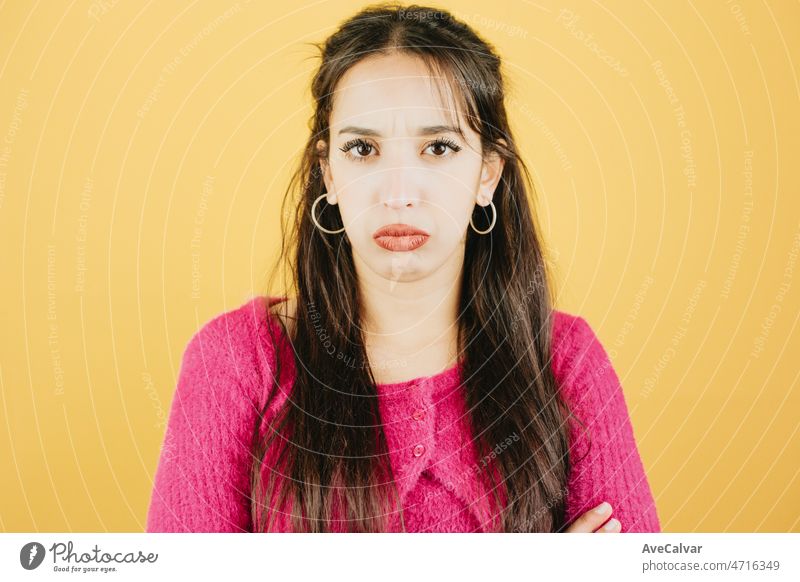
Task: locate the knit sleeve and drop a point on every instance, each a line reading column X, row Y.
column 202, row 480
column 605, row 459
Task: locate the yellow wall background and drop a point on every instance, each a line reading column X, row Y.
column 144, row 152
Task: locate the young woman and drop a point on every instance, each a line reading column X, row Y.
column 418, row 378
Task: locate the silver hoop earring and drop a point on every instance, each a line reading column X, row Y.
column 491, row 226
column 314, row 218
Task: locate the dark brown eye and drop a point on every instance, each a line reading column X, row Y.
column 361, row 147
column 439, row 147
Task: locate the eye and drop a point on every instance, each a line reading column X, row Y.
column 363, row 148
column 441, row 146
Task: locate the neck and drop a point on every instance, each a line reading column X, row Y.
column 407, row 317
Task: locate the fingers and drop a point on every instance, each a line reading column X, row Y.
column 612, row 526
column 592, row 519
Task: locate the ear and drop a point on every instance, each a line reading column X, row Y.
column 322, row 149
column 491, row 172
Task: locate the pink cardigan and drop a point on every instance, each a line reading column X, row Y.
column 202, row 480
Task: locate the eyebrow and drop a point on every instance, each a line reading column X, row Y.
column 425, row 130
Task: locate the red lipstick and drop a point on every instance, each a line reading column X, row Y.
column 400, row 237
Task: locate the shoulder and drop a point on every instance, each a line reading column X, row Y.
column 234, row 346
column 234, row 331
column 567, row 327
column 570, row 333
column 579, row 359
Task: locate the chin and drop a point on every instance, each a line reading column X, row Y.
column 403, row 267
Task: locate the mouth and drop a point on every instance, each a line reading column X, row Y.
column 400, row 237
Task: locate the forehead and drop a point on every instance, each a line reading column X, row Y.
column 393, row 94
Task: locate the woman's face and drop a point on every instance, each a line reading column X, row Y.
column 392, row 160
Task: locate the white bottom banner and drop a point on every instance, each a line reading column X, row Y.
column 462, row 557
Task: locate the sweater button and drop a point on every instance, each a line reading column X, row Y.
column 418, row 414
column 418, row 450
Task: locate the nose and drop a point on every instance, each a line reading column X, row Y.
column 396, row 192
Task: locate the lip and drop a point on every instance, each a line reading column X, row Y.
column 400, row 237
column 399, row 229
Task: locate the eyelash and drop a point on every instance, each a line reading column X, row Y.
column 358, row 141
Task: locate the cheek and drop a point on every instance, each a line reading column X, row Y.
column 451, row 202
column 451, row 218
column 357, row 208
column 353, row 193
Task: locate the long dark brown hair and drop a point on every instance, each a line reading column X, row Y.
column 332, row 448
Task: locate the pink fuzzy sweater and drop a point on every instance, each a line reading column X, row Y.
column 202, row 480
